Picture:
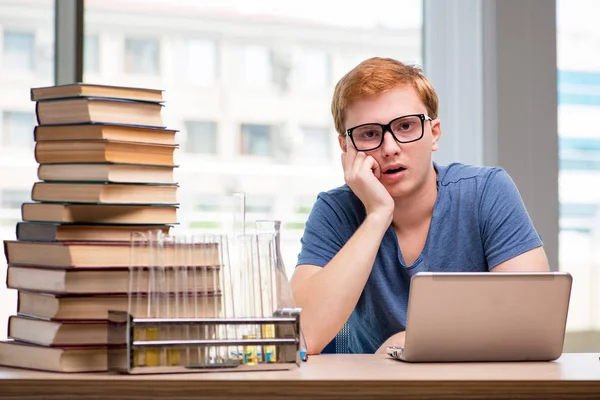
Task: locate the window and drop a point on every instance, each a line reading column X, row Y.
column 201, row 137
column 91, row 54
column 578, row 41
column 26, row 59
column 256, row 67
column 257, row 140
column 313, row 69
column 316, row 144
column 199, row 61
column 17, row 129
column 19, row 50
column 13, row 198
column 142, row 56
column 265, row 71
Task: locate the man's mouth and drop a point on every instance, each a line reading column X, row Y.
column 394, row 170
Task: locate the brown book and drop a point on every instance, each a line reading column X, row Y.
column 110, row 280
column 98, row 110
column 102, row 254
column 57, row 333
column 86, row 89
column 99, row 151
column 55, row 359
column 50, row 232
column 106, row 172
column 100, row 193
column 128, row 133
column 96, row 307
column 98, row 213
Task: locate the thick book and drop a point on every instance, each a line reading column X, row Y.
column 86, row 89
column 99, row 151
column 106, row 172
column 98, row 110
column 57, row 333
column 128, row 133
column 96, row 307
column 99, row 213
column 50, row 232
column 105, row 254
column 111, row 280
column 104, row 193
column 55, row 359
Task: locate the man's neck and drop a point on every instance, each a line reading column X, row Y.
column 416, row 209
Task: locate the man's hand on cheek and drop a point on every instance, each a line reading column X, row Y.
column 362, row 173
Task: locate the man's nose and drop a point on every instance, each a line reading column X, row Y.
column 389, row 146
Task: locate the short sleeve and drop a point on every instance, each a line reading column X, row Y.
column 507, row 229
column 325, row 232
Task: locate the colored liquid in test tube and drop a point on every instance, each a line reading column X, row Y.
column 250, row 351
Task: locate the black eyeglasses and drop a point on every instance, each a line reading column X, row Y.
column 405, row 129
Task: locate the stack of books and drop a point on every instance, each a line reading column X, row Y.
column 106, row 169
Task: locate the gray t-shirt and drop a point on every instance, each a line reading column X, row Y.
column 479, row 221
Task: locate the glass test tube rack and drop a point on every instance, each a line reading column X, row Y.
column 129, row 353
column 194, row 307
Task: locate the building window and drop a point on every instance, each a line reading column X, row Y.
column 312, row 69
column 201, row 137
column 256, row 67
column 14, row 198
column 91, row 54
column 19, row 50
column 17, row 129
column 199, row 61
column 316, row 144
column 257, row 140
column 142, row 56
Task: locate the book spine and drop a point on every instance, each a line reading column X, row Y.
column 9, row 326
column 6, row 250
column 37, row 113
column 36, row 153
column 22, row 213
column 33, row 190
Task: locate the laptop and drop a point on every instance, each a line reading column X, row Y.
column 485, row 316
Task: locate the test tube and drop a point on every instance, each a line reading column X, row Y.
column 170, row 291
column 239, row 229
column 250, row 298
column 266, row 269
column 183, row 283
column 227, row 301
column 152, row 355
column 137, row 273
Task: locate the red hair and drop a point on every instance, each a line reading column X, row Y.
column 376, row 75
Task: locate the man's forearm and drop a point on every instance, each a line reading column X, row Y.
column 328, row 297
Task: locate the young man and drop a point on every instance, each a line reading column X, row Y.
column 399, row 213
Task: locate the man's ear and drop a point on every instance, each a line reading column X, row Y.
column 343, row 143
column 436, row 133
